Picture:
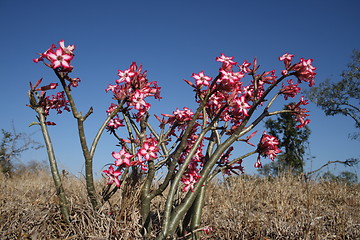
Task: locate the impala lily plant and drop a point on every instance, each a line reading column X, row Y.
column 190, row 146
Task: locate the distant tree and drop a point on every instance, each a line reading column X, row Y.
column 342, row 97
column 292, row 142
column 32, row 166
column 344, row 177
column 11, row 146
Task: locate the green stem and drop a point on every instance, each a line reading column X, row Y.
column 196, row 209
column 53, row 166
column 87, row 153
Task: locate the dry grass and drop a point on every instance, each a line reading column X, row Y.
column 242, row 208
column 283, row 208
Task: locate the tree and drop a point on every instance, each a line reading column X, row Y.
column 345, row 177
column 11, row 146
column 341, row 97
column 292, row 140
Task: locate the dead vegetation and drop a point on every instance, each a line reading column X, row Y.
column 240, row 208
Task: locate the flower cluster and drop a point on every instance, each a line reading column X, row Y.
column 116, row 121
column 57, row 102
column 148, row 150
column 267, row 147
column 228, row 100
column 290, row 90
column 231, row 101
column 300, row 113
column 303, row 70
column 179, row 121
column 59, row 58
column 133, row 87
column 191, row 175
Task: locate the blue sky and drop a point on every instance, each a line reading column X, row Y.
column 172, row 39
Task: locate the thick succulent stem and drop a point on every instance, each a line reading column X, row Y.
column 53, row 167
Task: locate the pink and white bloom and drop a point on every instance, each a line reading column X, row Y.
column 201, row 79
column 286, row 57
column 307, row 64
column 240, row 105
column 112, row 176
column 230, row 77
column 137, row 100
column 123, row 158
column 57, row 102
column 290, row 90
column 189, row 183
column 125, row 76
column 227, row 62
column 245, row 67
column 69, row 49
column 267, row 147
column 304, row 71
column 115, row 123
column 60, row 59
column 148, row 151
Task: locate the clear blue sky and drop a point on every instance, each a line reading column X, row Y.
column 172, row 39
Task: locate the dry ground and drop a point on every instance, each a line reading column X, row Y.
column 241, row 208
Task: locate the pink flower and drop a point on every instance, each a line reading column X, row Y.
column 69, row 49
column 148, row 151
column 190, row 177
column 112, row 176
column 258, row 164
column 286, row 57
column 60, row 59
column 268, row 77
column 290, row 90
column 304, row 71
column 183, row 115
column 267, row 147
column 201, row 79
column 115, row 123
column 74, row 82
column 112, row 88
column 229, row 77
column 227, row 62
column 189, row 183
column 137, row 100
column 134, row 87
column 245, row 67
column 207, row 230
column 307, row 64
column 57, row 102
column 125, row 76
column 122, row 158
column 240, row 105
